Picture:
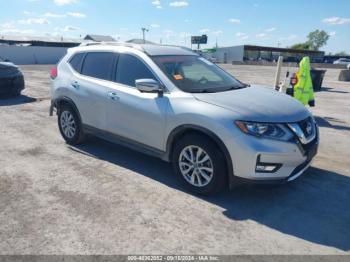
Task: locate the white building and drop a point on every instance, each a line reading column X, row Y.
column 35, row 50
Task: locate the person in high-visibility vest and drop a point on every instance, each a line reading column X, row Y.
column 303, row 89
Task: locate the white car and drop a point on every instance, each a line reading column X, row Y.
column 342, row 61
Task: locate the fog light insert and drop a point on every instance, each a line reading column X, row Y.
column 266, row 167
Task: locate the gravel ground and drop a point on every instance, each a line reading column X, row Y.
column 101, row 198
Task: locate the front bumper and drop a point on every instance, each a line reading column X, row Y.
column 293, row 158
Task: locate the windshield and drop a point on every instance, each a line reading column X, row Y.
column 194, row 74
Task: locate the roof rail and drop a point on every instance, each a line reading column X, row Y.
column 132, row 45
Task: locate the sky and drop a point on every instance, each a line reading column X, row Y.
column 226, row 22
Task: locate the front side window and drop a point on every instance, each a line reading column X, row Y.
column 99, row 65
column 131, row 69
column 194, row 74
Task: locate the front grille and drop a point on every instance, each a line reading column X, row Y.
column 305, row 126
column 307, row 148
column 304, row 130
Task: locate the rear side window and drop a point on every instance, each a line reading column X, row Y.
column 130, row 69
column 76, row 61
column 99, row 65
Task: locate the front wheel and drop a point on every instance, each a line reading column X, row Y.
column 200, row 164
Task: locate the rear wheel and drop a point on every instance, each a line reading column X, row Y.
column 69, row 125
column 200, row 164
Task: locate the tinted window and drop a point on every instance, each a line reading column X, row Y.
column 99, row 65
column 76, row 61
column 130, row 69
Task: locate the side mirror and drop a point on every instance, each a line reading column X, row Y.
column 148, row 86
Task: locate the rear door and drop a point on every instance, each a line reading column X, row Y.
column 134, row 115
column 97, row 70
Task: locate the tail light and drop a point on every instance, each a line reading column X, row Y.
column 53, row 73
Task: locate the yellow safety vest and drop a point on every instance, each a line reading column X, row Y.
column 303, row 90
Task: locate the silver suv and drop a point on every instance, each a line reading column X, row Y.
column 171, row 103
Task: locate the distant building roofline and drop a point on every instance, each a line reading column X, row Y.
column 27, row 39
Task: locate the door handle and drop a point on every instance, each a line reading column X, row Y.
column 113, row 95
column 75, row 84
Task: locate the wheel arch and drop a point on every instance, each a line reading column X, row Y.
column 183, row 130
column 59, row 102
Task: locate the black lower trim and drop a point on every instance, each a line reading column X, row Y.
column 247, row 181
column 105, row 135
column 299, row 168
column 271, row 181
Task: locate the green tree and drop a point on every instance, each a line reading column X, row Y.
column 317, row 39
column 301, row 46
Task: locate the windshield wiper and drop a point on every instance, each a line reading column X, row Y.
column 204, row 91
column 221, row 89
column 236, row 87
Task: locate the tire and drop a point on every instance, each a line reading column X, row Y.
column 69, row 125
column 217, row 181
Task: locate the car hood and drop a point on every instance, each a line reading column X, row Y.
column 7, row 64
column 257, row 103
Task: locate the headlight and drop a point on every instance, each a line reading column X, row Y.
column 265, row 130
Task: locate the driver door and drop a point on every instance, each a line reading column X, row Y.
column 140, row 117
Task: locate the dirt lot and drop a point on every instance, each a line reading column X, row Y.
column 100, row 198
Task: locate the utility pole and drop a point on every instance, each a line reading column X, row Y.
column 144, row 30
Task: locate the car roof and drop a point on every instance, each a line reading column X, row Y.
column 158, row 50
column 149, row 49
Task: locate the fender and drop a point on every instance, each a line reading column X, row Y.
column 178, row 131
column 56, row 104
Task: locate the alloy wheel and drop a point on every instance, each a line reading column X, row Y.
column 68, row 124
column 196, row 166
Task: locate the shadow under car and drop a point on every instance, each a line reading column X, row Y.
column 314, row 208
